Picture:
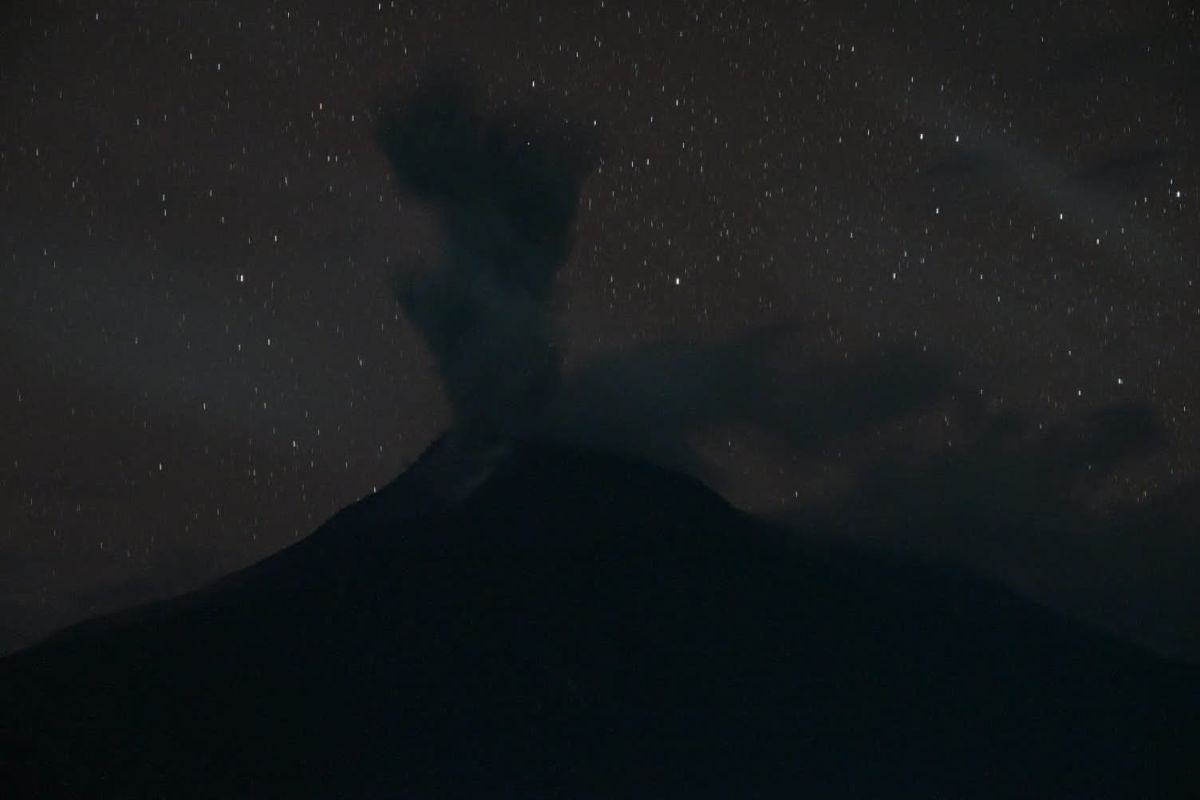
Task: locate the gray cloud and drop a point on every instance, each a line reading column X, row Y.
column 1011, row 498
column 505, row 190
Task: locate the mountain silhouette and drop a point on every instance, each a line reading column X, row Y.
column 525, row 619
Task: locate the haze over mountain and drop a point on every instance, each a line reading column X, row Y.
column 541, row 606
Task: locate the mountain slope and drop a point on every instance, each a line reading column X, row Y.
column 532, row 620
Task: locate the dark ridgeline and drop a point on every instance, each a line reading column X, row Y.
column 518, row 618
column 588, row 625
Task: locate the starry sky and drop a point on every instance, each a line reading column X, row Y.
column 203, row 359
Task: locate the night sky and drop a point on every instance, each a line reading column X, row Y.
column 202, row 358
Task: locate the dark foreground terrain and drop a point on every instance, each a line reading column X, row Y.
column 583, row 625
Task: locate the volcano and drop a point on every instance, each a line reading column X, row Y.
column 528, row 619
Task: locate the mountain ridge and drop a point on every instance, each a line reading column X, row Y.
column 582, row 623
